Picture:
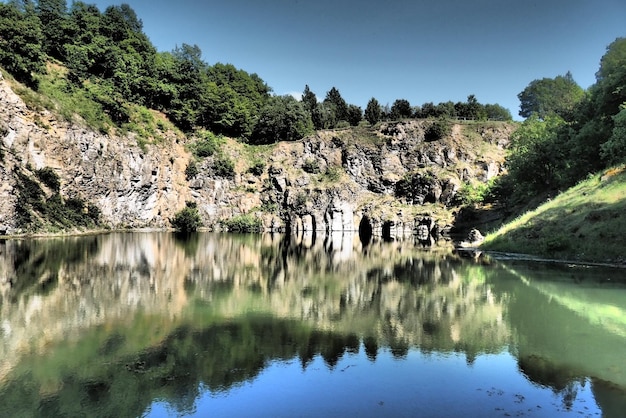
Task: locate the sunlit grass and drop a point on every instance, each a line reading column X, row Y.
column 585, row 223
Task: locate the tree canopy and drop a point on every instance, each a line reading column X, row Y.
column 111, row 61
column 550, row 96
column 564, row 140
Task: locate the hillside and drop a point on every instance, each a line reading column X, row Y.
column 585, row 223
column 59, row 175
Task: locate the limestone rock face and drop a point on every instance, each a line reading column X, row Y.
column 330, row 181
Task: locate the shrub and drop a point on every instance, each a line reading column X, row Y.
column 243, row 223
column 311, row 166
column 257, row 168
column 333, row 174
column 224, row 167
column 191, row 171
column 439, row 129
column 470, row 194
column 206, row 146
column 50, row 178
column 188, row 219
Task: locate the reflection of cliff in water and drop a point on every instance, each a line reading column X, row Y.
column 150, row 315
column 392, row 293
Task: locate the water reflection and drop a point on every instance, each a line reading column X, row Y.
column 104, row 325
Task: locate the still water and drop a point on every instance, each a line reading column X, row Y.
column 156, row 325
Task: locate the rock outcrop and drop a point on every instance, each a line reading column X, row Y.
column 386, row 181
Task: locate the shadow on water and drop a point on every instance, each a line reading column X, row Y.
column 131, row 318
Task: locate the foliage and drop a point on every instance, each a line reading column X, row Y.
column 551, row 152
column 34, row 211
column 333, row 174
column 473, row 193
column 416, row 188
column 373, row 111
column 257, row 167
column 355, row 115
column 311, row 166
column 206, row 145
column 401, row 109
column 550, row 96
column 191, row 170
column 224, row 167
column 609, row 92
column 614, row 150
column 188, row 219
column 340, row 106
column 536, row 159
column 21, row 38
column 283, row 118
column 438, row 130
column 243, row 223
column 49, row 177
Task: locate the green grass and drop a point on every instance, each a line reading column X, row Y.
column 585, row 223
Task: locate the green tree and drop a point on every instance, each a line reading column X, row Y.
column 309, row 99
column 355, row 115
column 21, row 39
column 537, row 155
column 550, row 96
column 283, row 118
column 373, row 111
column 610, row 89
column 340, row 106
column 497, row 112
column 53, row 15
column 614, row 150
column 401, row 109
column 446, row 109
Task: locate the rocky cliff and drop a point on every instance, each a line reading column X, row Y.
column 384, row 180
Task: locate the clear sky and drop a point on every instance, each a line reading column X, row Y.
column 419, row 50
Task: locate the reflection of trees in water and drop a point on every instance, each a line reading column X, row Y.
column 218, row 357
column 327, row 298
column 559, row 347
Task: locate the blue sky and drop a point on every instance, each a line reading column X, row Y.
column 422, row 51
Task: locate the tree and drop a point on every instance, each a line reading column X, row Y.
column 614, row 150
column 538, row 155
column 497, row 112
column 401, row 109
column 355, row 115
column 283, row 118
column 309, row 99
column 21, row 38
column 610, row 89
column 341, row 107
column 372, row 111
column 550, row 96
column 53, row 16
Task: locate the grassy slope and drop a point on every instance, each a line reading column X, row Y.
column 585, row 223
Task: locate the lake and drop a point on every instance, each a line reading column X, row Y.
column 152, row 324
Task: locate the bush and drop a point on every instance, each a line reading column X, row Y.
column 257, row 168
column 311, row 166
column 224, row 167
column 243, row 223
column 188, row 219
column 50, row 178
column 439, row 129
column 470, row 194
column 191, row 171
column 333, row 174
column 206, row 146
